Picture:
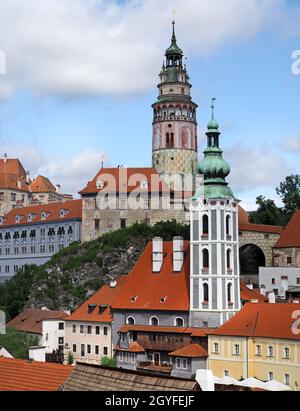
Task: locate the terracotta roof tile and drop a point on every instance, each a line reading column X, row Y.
column 262, row 320
column 190, row 351
column 12, row 166
column 31, row 320
column 251, row 295
column 73, row 211
column 144, row 289
column 42, row 184
column 243, row 216
column 133, row 348
column 291, row 235
column 13, row 182
column 125, row 180
column 21, row 375
column 267, row 229
column 105, row 297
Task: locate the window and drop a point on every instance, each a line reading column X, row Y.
column 1, row 196
column 228, row 221
column 273, row 281
column 216, row 348
column 133, row 358
column 123, row 338
column 82, row 350
column 270, row 351
column 89, row 329
column 236, row 349
column 154, row 321
column 74, row 348
column 61, row 326
column 130, row 321
column 105, row 330
column 97, row 330
column 184, row 364
column 127, row 357
column 121, row 357
column 81, row 329
column 229, row 293
column 105, row 350
column 97, row 349
column 205, row 223
column 179, row 322
column 74, row 328
column 205, row 293
column 258, row 350
column 13, row 197
column 286, row 379
column 178, row 363
column 226, row 373
column 61, row 340
column 123, row 222
column 298, row 281
column 97, row 224
column 88, row 349
column 286, row 352
column 228, row 259
column 271, row 376
column 289, row 260
column 205, row 257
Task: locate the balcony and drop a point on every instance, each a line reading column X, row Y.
column 163, row 370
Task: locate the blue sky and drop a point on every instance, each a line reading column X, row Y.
column 70, row 100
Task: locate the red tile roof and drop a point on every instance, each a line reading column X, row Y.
column 147, row 289
column 291, row 235
column 263, row 320
column 243, row 216
column 21, row 375
column 251, row 295
column 12, row 175
column 105, row 297
column 125, row 180
column 31, row 320
column 134, row 348
column 42, row 184
column 194, row 332
column 12, row 166
column 190, row 351
column 267, row 229
column 73, row 210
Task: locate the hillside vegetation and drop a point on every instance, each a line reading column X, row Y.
column 76, row 272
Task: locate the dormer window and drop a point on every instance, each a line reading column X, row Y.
column 18, row 218
column 44, row 215
column 102, row 308
column 163, row 300
column 133, row 299
column 91, row 308
column 29, row 217
column 62, row 213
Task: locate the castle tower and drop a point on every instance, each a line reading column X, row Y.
column 174, row 124
column 215, row 273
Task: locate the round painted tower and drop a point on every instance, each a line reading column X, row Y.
column 175, row 148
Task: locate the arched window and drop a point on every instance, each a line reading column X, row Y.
column 228, row 220
column 205, row 293
column 205, row 256
column 179, row 322
column 168, row 140
column 154, row 321
column 229, row 292
column 229, row 259
column 172, row 140
column 130, row 321
column 205, row 225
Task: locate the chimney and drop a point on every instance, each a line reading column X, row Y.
column 250, row 287
column 5, row 158
column 113, row 284
column 58, row 188
column 157, row 254
column 19, row 184
column 27, row 177
column 178, row 254
column 272, row 298
column 263, row 290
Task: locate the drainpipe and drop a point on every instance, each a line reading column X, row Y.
column 247, row 357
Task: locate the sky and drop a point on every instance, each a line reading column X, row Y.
column 80, row 77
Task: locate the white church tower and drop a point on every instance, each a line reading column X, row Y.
column 215, row 271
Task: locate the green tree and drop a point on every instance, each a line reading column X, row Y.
column 70, row 358
column 289, row 192
column 17, row 343
column 268, row 213
column 108, row 362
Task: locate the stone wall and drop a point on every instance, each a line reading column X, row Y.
column 262, row 240
column 287, row 257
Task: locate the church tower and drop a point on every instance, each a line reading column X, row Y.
column 174, row 118
column 215, row 272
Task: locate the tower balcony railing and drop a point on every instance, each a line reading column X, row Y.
column 174, row 118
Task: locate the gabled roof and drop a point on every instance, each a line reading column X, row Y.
column 145, row 290
column 125, row 180
column 291, row 235
column 42, row 184
column 190, row 351
column 22, row 375
column 73, row 210
column 12, row 166
column 263, row 320
column 104, row 297
column 31, row 320
column 133, row 348
column 251, row 295
column 88, row 377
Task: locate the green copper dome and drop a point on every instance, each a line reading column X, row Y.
column 174, row 49
column 214, row 168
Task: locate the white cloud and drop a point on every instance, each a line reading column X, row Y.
column 255, row 168
column 72, row 173
column 292, row 145
column 89, row 47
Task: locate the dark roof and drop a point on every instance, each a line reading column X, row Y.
column 291, row 234
column 87, row 377
column 31, row 320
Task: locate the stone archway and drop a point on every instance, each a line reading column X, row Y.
column 251, row 258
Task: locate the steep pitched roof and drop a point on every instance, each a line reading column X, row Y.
column 12, row 166
column 262, row 320
column 125, row 180
column 88, row 377
column 291, row 235
column 12, row 175
column 22, row 375
column 145, row 290
column 190, row 351
column 251, row 295
column 243, row 216
column 133, row 348
column 73, row 210
column 31, row 320
column 103, row 297
column 42, row 184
